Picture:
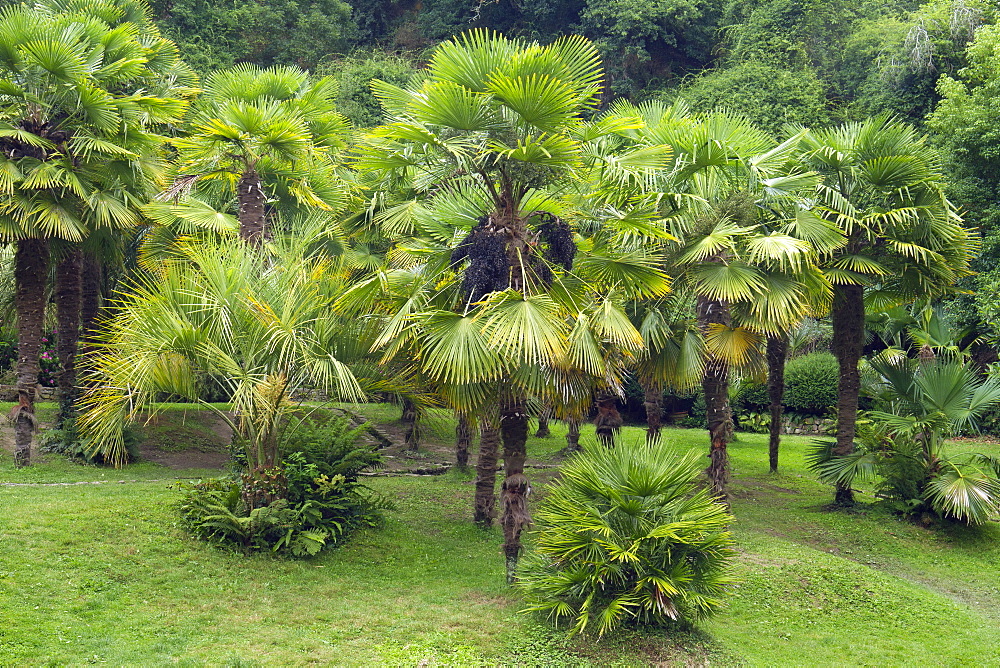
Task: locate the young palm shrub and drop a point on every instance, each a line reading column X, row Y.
column 627, row 535
column 902, row 448
column 260, row 328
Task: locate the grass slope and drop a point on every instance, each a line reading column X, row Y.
column 102, row 573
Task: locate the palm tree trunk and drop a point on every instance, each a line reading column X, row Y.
column 486, row 471
column 716, row 387
column 31, row 268
column 90, row 301
column 573, row 435
column 68, row 298
column 463, row 436
column 252, row 215
column 848, row 344
column 515, row 488
column 608, row 422
column 411, row 426
column 543, row 423
column 777, row 351
column 653, row 403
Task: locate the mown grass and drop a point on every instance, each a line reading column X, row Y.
column 102, row 573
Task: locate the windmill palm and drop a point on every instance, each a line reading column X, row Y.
column 922, row 402
column 674, row 357
column 884, row 189
column 82, row 86
column 738, row 241
column 495, row 302
column 262, row 135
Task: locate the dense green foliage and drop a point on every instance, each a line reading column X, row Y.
column 811, row 383
column 627, row 535
column 214, row 34
column 773, row 96
column 354, row 76
column 313, row 501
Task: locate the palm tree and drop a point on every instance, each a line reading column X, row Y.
column 498, row 305
column 264, row 135
column 922, row 401
column 777, row 354
column 737, row 241
column 674, row 357
column 884, row 188
column 259, row 324
column 81, row 86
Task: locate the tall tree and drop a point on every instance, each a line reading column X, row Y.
column 777, row 353
column 261, row 135
column 82, row 85
column 902, row 238
column 735, row 242
column 482, row 153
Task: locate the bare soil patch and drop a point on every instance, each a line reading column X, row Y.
column 185, row 440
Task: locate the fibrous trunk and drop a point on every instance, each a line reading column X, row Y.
column 608, row 421
column 543, row 423
column 777, row 351
column 515, row 488
column 848, row 344
column 573, row 435
column 653, row 403
column 716, row 387
column 463, row 436
column 68, row 300
column 90, row 302
column 31, row 263
column 486, row 471
column 411, row 425
column 252, row 216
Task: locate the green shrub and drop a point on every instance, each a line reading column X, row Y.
column 755, row 423
column 811, row 383
column 749, row 395
column 312, row 501
column 626, row 534
column 772, row 96
column 697, row 413
column 354, row 76
column 67, row 442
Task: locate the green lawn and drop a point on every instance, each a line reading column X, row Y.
column 102, row 574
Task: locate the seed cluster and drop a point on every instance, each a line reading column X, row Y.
column 559, row 238
column 490, row 267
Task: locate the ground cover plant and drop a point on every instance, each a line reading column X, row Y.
column 103, row 572
column 313, row 501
